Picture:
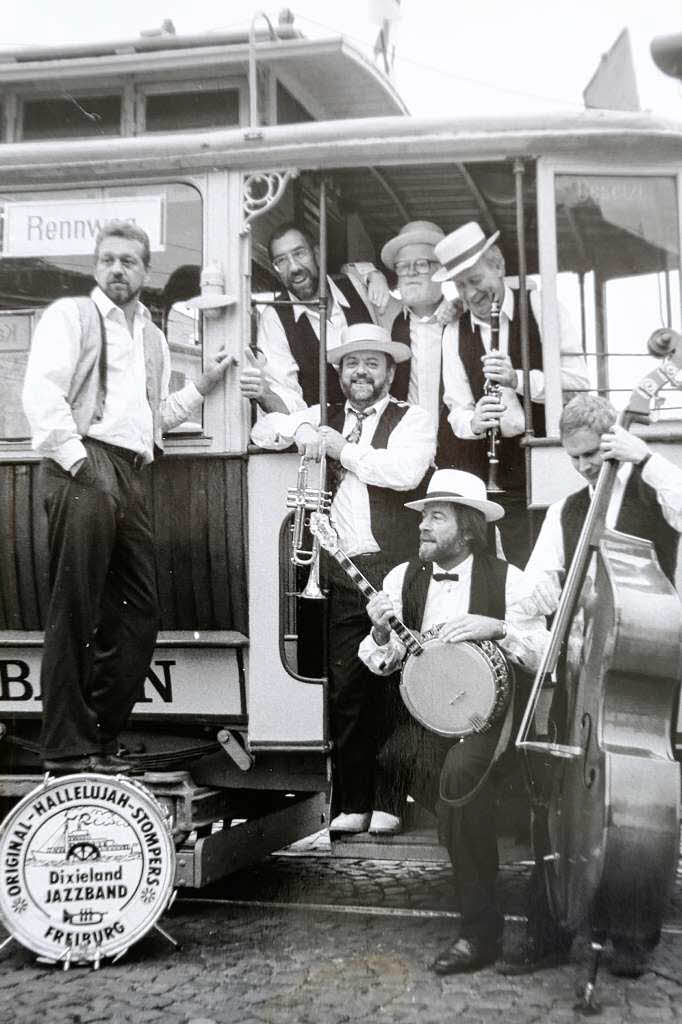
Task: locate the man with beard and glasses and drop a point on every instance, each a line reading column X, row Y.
column 287, row 376
column 377, row 450
column 456, row 587
column 96, row 397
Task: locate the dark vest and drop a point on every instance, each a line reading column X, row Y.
column 471, row 455
column 488, row 583
column 305, row 345
column 400, row 331
column 394, row 527
column 640, row 516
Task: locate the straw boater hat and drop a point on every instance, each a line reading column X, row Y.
column 461, row 249
column 417, row 232
column 461, row 489
column 367, row 338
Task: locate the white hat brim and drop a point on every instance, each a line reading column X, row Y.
column 399, row 353
column 394, row 245
column 445, row 273
column 490, row 509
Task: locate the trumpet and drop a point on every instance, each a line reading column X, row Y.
column 304, row 499
column 492, row 485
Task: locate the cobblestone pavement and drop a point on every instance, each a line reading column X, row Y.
column 291, row 941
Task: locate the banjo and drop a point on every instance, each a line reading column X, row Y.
column 453, row 690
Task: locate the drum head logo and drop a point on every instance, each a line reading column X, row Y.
column 87, row 866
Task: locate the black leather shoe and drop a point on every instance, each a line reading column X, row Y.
column 104, row 764
column 121, row 765
column 463, row 955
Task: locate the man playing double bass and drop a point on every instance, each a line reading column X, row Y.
column 456, row 585
column 646, row 502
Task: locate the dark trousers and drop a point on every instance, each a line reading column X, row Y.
column 412, row 761
column 103, row 614
column 361, row 705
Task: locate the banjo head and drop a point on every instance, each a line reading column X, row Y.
column 455, row 690
column 88, row 866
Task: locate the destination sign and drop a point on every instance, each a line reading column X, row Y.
column 58, row 227
column 87, row 865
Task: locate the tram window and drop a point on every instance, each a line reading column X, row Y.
column 618, row 261
column 178, row 111
column 71, row 117
column 47, row 253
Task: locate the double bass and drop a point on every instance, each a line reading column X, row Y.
column 605, row 790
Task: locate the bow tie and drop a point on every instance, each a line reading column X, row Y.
column 440, row 576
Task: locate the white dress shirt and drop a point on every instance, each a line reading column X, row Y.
column 543, row 575
column 445, row 599
column 281, row 369
column 458, row 396
column 127, row 416
column 400, row 466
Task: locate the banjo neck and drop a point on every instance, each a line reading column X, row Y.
column 365, row 587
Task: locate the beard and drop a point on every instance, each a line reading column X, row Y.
column 363, row 390
column 447, row 549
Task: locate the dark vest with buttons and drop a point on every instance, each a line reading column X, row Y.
column 640, row 516
column 305, row 345
column 470, row 455
column 488, row 589
column 394, row 527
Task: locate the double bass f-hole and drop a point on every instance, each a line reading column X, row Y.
column 589, row 775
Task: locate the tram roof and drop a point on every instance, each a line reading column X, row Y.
column 586, row 136
column 332, row 77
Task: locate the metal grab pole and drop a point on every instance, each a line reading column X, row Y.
column 323, row 303
column 519, row 171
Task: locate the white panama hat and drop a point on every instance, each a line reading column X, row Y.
column 461, row 249
column 367, row 338
column 461, row 489
column 417, row 232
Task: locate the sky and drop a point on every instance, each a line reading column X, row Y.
column 452, row 57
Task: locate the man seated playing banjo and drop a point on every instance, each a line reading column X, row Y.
column 469, row 595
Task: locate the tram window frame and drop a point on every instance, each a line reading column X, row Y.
column 231, row 84
column 193, row 433
column 601, row 373
column 78, row 96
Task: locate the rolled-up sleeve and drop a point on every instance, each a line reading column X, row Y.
column 527, row 633
column 385, row 659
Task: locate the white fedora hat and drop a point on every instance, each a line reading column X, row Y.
column 461, row 489
column 417, row 232
column 461, row 249
column 367, row 338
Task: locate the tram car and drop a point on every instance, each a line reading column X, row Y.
column 209, row 142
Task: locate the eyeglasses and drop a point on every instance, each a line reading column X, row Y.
column 403, row 268
column 296, row 255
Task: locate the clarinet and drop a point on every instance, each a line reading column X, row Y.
column 492, row 434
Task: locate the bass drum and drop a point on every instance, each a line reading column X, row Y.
column 455, row 690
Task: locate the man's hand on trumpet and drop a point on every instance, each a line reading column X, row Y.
column 309, row 442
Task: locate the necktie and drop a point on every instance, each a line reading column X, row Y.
column 440, row 576
column 335, row 470
column 354, row 436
